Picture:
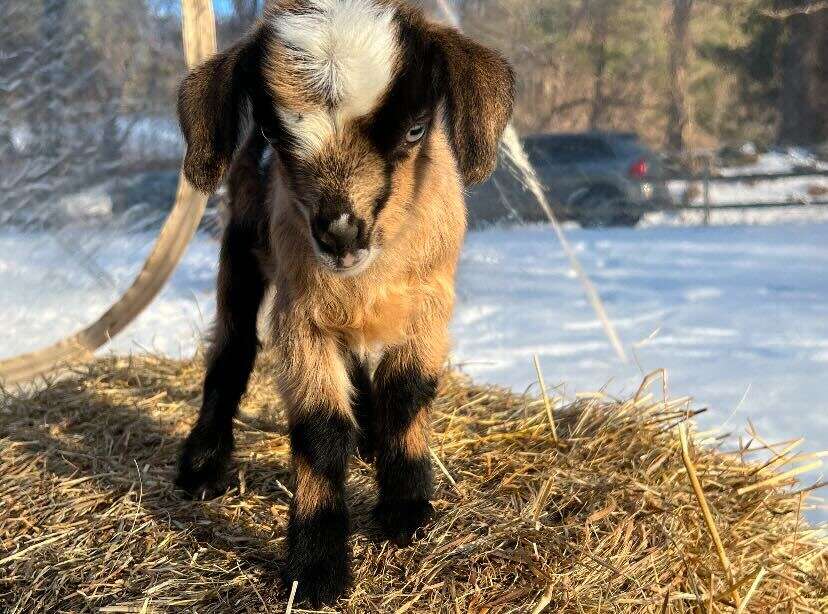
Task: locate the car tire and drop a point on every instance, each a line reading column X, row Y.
column 628, row 220
column 602, row 206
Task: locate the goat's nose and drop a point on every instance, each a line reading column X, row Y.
column 341, row 235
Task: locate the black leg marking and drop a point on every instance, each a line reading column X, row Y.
column 318, row 550
column 399, row 519
column 319, row 555
column 403, row 471
column 362, row 406
column 207, row 450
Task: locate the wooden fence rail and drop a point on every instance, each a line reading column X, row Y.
column 708, row 179
column 751, row 178
column 748, row 205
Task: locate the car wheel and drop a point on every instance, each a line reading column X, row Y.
column 627, row 219
column 602, row 206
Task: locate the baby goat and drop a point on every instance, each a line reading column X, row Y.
column 347, row 196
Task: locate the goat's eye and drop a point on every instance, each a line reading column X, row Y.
column 415, row 133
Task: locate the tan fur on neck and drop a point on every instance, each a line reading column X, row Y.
column 411, row 278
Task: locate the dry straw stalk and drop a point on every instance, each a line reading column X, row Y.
column 705, row 508
column 89, row 520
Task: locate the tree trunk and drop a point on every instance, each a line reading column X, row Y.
column 798, row 119
column 49, row 113
column 678, row 117
column 819, row 74
column 598, row 107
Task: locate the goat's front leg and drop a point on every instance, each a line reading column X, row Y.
column 362, row 406
column 405, row 384
column 315, row 385
column 241, row 286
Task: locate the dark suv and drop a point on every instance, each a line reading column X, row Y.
column 594, row 178
column 598, row 179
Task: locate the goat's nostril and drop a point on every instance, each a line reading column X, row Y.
column 340, row 234
column 326, row 242
column 344, row 230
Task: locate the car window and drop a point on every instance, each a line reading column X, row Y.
column 568, row 149
column 629, row 146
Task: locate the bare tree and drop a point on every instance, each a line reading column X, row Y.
column 802, row 71
column 598, row 49
column 795, row 112
column 247, row 10
column 244, row 13
column 803, row 9
column 679, row 41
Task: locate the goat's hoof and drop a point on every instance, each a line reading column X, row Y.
column 203, row 462
column 399, row 519
column 319, row 581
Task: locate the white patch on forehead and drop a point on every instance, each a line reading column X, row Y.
column 311, row 129
column 347, row 50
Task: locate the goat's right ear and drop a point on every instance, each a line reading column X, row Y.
column 212, row 107
column 480, row 92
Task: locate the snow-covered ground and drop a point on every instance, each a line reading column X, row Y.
column 784, row 160
column 737, row 314
column 799, row 190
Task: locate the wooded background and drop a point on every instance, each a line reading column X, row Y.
column 87, row 88
column 682, row 73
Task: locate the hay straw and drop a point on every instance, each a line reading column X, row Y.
column 756, row 582
column 291, row 597
column 547, row 405
column 608, row 524
column 705, row 508
column 781, row 477
column 445, row 471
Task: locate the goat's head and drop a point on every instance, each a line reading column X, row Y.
column 350, row 93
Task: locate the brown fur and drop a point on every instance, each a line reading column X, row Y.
column 406, row 300
column 415, row 438
column 480, row 112
column 286, row 84
column 406, row 199
column 312, row 491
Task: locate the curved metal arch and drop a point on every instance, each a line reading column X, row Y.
column 198, row 26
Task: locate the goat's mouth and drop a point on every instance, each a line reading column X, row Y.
column 349, row 264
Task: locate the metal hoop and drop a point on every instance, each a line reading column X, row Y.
column 199, row 33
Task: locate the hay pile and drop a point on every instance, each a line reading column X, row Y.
column 606, row 520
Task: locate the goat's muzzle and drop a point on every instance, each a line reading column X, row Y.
column 342, row 244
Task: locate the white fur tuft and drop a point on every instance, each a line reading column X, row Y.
column 312, row 129
column 347, row 50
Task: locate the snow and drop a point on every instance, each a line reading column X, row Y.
column 49, row 292
column 799, row 214
column 81, row 206
column 783, row 161
column 144, row 137
column 737, row 314
column 804, row 189
column 149, row 137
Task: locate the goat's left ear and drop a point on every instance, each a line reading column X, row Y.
column 479, row 86
column 213, row 103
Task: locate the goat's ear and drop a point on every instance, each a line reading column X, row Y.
column 212, row 108
column 480, row 89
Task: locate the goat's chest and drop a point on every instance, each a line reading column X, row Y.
column 367, row 317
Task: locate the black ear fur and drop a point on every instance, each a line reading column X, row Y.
column 480, row 90
column 212, row 108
